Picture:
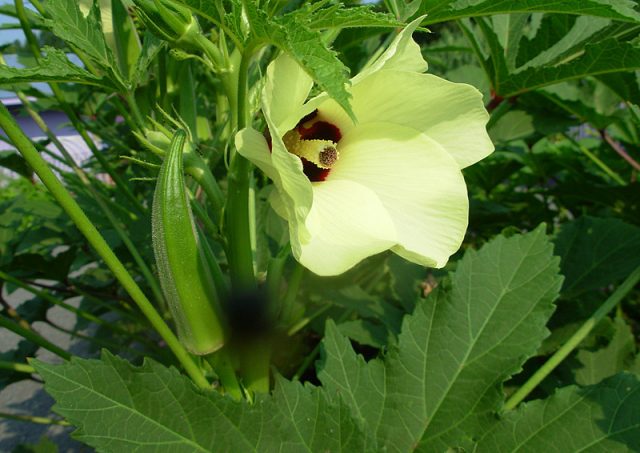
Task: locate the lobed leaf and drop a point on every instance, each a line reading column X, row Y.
column 443, row 380
column 119, row 407
column 563, row 48
column 84, row 33
column 53, row 67
column 444, row 10
column 603, row 57
column 600, row 418
column 608, row 360
column 596, row 252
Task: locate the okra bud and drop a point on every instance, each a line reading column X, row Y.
column 185, row 279
column 170, row 20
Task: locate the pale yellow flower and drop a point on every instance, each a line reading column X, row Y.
column 391, row 180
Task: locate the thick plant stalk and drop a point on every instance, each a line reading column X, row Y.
column 184, row 274
column 66, row 201
column 238, row 229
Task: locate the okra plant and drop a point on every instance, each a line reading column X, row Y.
column 324, row 226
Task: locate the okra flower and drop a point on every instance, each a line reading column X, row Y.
column 390, row 180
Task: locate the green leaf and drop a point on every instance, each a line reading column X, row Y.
column 84, row 33
column 118, row 407
column 45, row 445
column 444, row 10
column 443, row 380
column 624, row 84
column 306, row 420
column 578, row 99
column 359, row 384
column 337, row 16
column 596, row 252
column 151, row 46
column 297, row 33
column 367, row 306
column 34, row 18
column 307, row 47
column 124, row 39
column 562, row 48
column 600, row 418
column 53, row 67
column 406, row 281
column 366, row 333
column 603, row 57
column 513, row 125
column 19, row 354
column 557, row 37
column 15, row 162
column 609, row 360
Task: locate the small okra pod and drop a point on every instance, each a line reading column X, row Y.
column 185, row 278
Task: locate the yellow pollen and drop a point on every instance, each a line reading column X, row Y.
column 323, row 153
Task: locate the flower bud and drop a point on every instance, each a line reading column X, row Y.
column 170, row 21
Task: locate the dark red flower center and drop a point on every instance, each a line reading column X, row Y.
column 310, row 128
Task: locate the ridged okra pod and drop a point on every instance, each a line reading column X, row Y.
column 186, row 281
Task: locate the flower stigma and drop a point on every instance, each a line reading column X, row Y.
column 322, row 153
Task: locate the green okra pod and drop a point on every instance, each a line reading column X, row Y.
column 185, row 278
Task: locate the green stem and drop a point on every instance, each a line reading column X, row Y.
column 297, row 327
column 81, row 313
column 33, row 419
column 84, row 179
column 288, row 302
column 32, row 336
column 308, row 360
column 70, row 112
column 220, row 65
column 32, row 41
column 617, row 147
column 501, row 109
column 306, row 363
column 122, row 308
column 604, row 167
column 18, row 367
column 195, row 166
column 139, row 119
column 216, row 273
column 275, row 271
column 223, row 367
column 137, row 257
column 574, row 341
column 203, row 217
column 119, row 347
column 85, row 226
column 238, row 229
column 255, row 366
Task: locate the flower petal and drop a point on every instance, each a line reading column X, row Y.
column 252, row 145
column 285, row 170
column 287, row 87
column 403, row 54
column 450, row 113
column 418, row 182
column 347, row 223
